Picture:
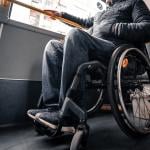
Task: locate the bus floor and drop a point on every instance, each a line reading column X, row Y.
column 104, row 135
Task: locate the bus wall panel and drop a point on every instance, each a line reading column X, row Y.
column 16, row 97
column 21, row 52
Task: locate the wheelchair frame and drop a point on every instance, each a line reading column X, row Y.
column 82, row 129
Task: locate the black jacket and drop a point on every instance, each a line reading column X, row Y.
column 124, row 21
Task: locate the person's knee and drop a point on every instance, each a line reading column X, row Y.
column 50, row 46
column 74, row 34
column 53, row 47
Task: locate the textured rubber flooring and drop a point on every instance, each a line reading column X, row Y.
column 104, row 135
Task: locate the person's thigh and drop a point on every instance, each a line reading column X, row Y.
column 101, row 49
column 98, row 48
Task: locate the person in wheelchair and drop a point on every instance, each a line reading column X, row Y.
column 124, row 21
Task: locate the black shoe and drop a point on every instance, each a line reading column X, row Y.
column 52, row 120
column 32, row 112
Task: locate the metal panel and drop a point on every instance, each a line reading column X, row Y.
column 21, row 51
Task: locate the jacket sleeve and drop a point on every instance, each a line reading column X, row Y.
column 139, row 30
column 86, row 23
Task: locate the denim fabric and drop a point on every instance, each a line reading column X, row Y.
column 60, row 61
column 51, row 71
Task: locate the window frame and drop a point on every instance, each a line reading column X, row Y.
column 29, row 27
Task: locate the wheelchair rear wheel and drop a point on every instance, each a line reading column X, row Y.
column 129, row 90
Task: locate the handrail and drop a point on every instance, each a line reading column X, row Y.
column 6, row 3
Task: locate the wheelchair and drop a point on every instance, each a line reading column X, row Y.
column 126, row 80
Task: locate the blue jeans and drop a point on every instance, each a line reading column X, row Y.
column 61, row 60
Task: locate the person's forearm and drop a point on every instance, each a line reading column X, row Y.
column 86, row 23
column 132, row 32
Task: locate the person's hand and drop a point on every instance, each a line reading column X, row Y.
column 4, row 3
column 53, row 14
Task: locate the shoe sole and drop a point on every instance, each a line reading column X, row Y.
column 52, row 126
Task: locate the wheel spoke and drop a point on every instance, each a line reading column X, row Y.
column 134, row 92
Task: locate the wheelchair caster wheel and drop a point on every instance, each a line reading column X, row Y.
column 79, row 140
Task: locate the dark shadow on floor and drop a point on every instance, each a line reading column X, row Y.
column 105, row 135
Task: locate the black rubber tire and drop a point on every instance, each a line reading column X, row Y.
column 114, row 100
column 80, row 138
column 77, row 140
